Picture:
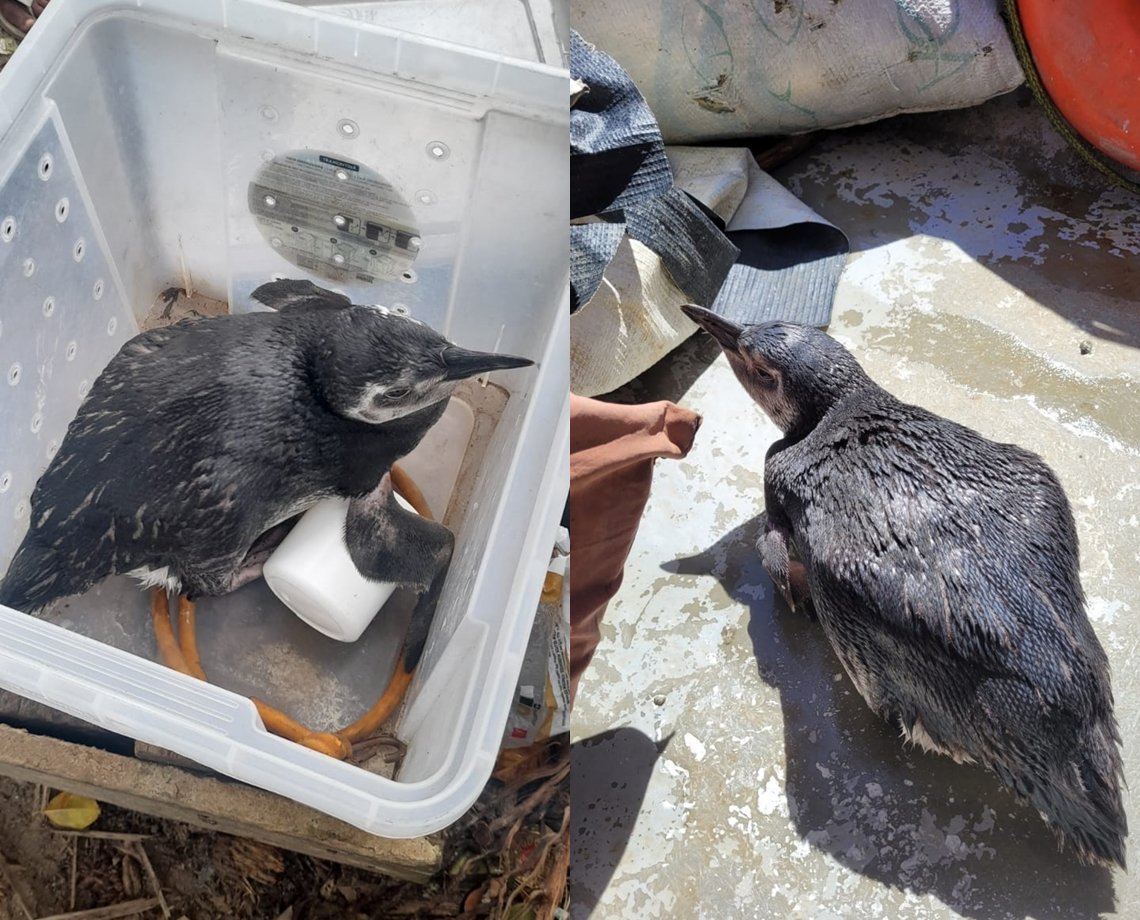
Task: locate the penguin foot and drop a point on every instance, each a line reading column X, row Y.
column 254, row 562
column 788, row 573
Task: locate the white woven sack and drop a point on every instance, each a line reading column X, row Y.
column 713, row 69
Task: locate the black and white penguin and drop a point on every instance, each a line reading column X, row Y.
column 943, row 568
column 200, row 437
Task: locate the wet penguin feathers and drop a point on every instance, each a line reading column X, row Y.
column 944, row 570
column 199, row 437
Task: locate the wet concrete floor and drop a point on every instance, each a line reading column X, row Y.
column 725, row 766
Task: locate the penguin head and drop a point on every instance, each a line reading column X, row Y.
column 795, row 373
column 375, row 366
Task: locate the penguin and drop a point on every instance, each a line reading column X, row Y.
column 200, row 439
column 943, row 568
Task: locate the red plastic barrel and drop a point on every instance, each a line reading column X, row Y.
column 1088, row 55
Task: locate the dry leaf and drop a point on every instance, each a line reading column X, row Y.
column 75, row 812
column 474, row 899
column 552, row 588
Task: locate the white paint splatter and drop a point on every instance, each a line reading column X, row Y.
column 1102, row 610
column 770, row 799
column 695, row 746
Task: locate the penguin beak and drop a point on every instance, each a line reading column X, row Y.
column 461, row 363
column 723, row 330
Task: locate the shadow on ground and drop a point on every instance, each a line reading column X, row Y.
column 899, row 816
column 609, row 774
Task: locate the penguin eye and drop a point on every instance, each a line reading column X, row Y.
column 397, row 392
column 764, row 376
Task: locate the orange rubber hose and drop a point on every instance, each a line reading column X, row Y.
column 181, row 654
column 370, row 722
column 279, row 723
column 410, row 492
column 187, row 638
column 168, row 648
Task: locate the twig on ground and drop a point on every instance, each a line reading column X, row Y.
column 136, row 849
column 112, row 912
column 74, row 871
column 12, row 887
column 103, row 835
column 527, row 805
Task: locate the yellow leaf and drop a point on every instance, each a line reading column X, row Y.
column 552, row 588
column 75, row 812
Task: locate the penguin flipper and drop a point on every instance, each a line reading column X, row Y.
column 389, row 544
column 294, row 294
column 778, row 556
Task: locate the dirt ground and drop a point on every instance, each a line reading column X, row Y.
column 507, row 858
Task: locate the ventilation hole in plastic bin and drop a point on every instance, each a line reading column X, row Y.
column 338, row 258
column 342, row 175
column 8, row 229
column 62, row 209
column 112, row 325
column 408, row 276
column 268, row 113
column 79, row 249
column 275, row 242
column 425, row 196
column 340, row 220
column 72, row 350
column 347, row 127
column 438, row 150
column 5, row 481
column 97, row 289
column 46, row 164
column 14, row 374
column 37, row 423
column 84, row 388
column 402, row 309
column 21, row 508
column 29, row 267
column 49, row 307
column 270, row 201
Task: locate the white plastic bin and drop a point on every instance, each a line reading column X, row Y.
column 129, row 136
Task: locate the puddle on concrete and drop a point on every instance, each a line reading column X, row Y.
column 980, row 358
